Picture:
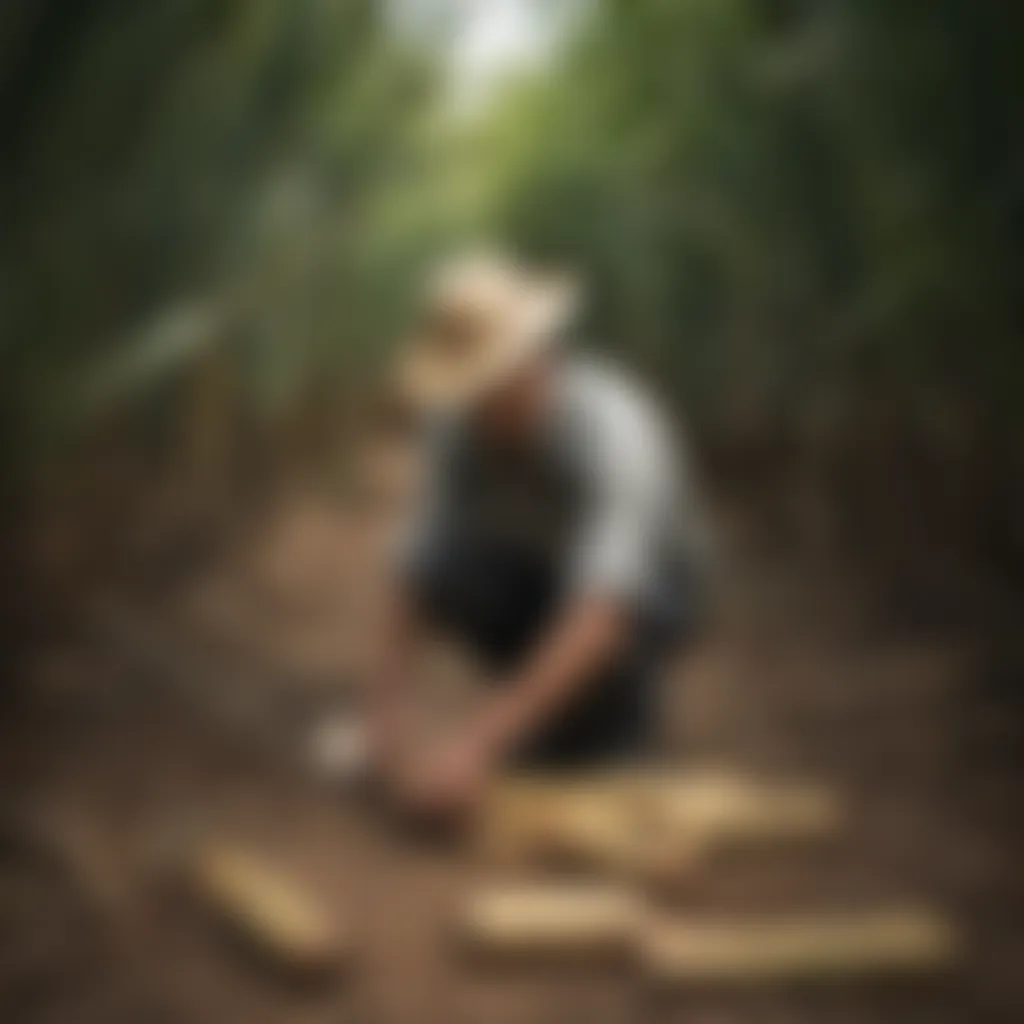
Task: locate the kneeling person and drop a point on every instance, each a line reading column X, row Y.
column 555, row 536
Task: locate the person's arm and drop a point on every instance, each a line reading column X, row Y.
column 607, row 568
column 584, row 638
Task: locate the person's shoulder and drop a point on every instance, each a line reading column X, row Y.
column 615, row 427
column 605, row 397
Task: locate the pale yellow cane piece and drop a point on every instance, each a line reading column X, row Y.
column 536, row 822
column 552, row 921
column 727, row 809
column 806, row 948
column 266, row 909
column 658, row 826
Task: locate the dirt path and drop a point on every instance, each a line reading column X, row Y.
column 146, row 726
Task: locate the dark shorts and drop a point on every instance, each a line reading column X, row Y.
column 501, row 602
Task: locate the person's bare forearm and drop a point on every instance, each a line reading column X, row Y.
column 586, row 637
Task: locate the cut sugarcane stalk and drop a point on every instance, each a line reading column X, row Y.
column 797, row 949
column 264, row 908
column 726, row 809
column 647, row 826
column 580, row 824
column 552, row 921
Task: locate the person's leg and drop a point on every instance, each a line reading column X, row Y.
column 494, row 600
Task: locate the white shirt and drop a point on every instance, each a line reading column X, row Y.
column 603, row 493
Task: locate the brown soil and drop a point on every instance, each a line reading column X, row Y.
column 183, row 708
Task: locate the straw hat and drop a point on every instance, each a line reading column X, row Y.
column 485, row 315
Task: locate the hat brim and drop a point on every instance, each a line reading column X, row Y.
column 433, row 381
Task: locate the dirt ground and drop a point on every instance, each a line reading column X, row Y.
column 182, row 707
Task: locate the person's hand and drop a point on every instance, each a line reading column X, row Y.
column 451, row 782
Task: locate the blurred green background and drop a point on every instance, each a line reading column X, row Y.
column 801, row 222
column 803, row 218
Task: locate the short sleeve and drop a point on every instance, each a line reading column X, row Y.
column 616, row 541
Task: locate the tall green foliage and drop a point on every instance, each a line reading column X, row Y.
column 774, row 198
column 180, row 175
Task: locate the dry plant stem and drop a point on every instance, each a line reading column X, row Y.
column 806, row 948
column 265, row 909
column 552, row 921
column 650, row 827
